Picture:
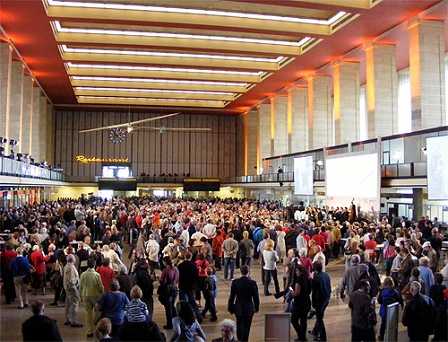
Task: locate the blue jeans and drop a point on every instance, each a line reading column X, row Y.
column 189, row 296
column 319, row 327
column 227, row 262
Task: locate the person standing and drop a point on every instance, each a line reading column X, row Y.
column 419, row 315
column 71, row 281
column 6, row 258
column 243, row 302
column 230, row 249
column 350, row 277
column 302, row 303
column 321, row 292
column 362, row 309
column 169, row 276
column 270, row 258
column 20, row 267
column 90, row 289
column 40, row 327
column 188, row 280
column 152, row 252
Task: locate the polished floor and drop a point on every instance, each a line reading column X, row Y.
column 337, row 315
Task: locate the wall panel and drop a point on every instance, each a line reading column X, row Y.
column 202, row 154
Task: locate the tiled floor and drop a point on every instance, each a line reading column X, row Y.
column 337, row 315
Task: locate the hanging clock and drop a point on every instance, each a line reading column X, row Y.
column 117, row 135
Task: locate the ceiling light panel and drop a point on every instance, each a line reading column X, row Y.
column 317, row 22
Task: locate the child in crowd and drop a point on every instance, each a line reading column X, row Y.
column 209, row 295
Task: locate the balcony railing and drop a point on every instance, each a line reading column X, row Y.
column 14, row 168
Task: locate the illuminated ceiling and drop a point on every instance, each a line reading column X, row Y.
column 193, row 56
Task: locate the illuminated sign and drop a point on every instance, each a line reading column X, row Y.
column 85, row 160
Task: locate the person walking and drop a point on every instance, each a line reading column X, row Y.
column 270, row 258
column 362, row 309
column 90, row 289
column 230, row 249
column 188, row 280
column 71, row 281
column 20, row 268
column 419, row 315
column 321, row 292
column 244, row 302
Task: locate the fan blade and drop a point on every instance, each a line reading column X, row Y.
column 128, row 123
column 154, row 119
column 172, row 129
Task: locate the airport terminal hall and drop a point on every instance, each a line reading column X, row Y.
column 223, row 170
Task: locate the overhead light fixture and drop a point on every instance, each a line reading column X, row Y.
column 397, row 155
column 147, row 68
column 143, row 8
column 65, row 48
column 80, row 30
column 148, row 80
column 174, row 92
column 319, row 163
column 130, row 129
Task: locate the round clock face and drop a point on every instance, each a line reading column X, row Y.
column 117, row 135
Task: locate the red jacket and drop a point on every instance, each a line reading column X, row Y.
column 38, row 260
column 107, row 274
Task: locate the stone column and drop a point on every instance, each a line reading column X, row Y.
column 381, row 90
column 320, row 112
column 417, row 202
column 253, row 143
column 427, row 70
column 5, row 88
column 298, row 102
column 27, row 109
column 346, row 102
column 265, row 134
column 37, row 129
column 15, row 103
column 280, row 123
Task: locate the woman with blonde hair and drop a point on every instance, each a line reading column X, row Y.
column 270, row 258
column 103, row 330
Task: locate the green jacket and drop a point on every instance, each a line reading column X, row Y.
column 90, row 284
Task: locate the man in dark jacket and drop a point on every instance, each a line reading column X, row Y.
column 362, row 309
column 321, row 286
column 243, row 302
column 188, row 279
column 419, row 315
column 40, row 327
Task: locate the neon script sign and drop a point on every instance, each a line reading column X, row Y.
column 85, row 160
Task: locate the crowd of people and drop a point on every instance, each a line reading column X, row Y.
column 77, row 246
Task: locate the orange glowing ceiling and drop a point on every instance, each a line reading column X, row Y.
column 220, row 57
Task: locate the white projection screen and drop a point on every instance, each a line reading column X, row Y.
column 303, row 176
column 354, row 177
column 437, row 163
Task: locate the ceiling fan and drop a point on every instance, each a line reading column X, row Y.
column 117, row 133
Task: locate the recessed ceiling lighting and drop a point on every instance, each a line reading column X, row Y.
column 65, row 48
column 330, row 21
column 152, row 80
column 183, row 92
column 182, row 70
column 59, row 28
